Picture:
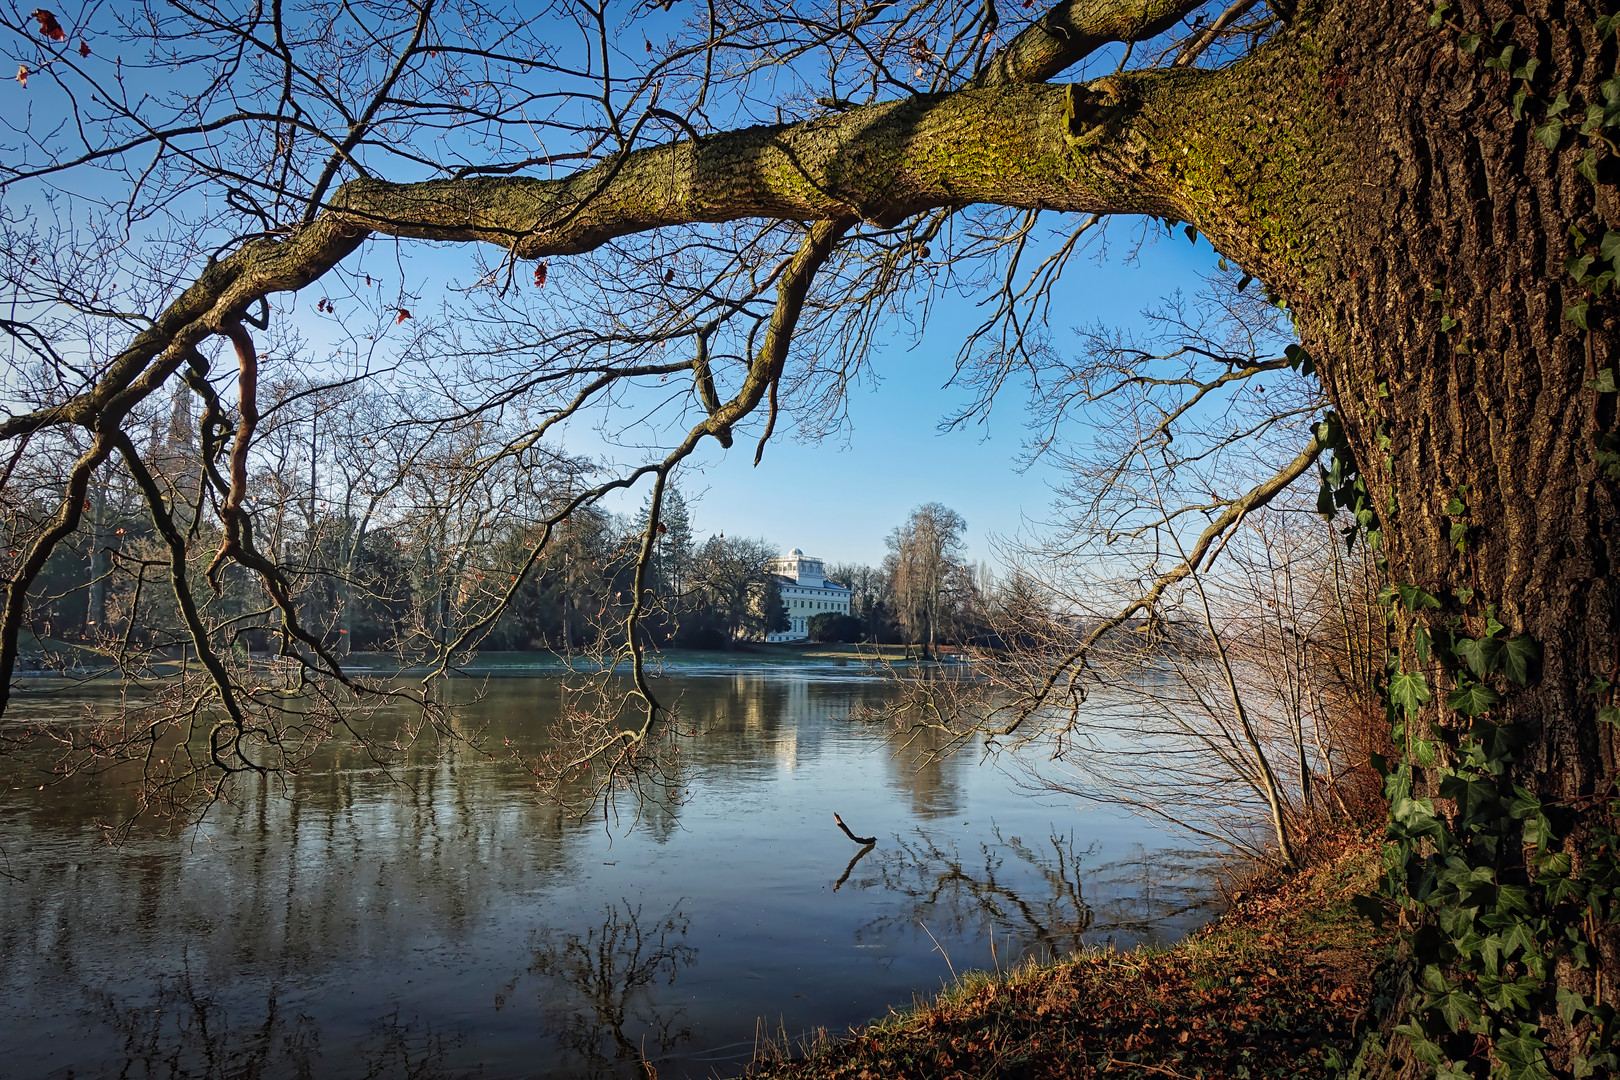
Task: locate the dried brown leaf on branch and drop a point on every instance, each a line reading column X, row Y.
column 48, row 25
column 401, row 316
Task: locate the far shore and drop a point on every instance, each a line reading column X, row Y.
column 70, row 660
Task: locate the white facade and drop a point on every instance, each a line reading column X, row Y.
column 806, row 592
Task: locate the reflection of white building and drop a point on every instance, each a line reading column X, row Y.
column 806, row 592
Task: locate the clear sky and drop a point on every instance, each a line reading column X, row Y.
column 838, row 499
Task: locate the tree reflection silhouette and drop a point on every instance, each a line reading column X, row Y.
column 610, row 972
column 1036, row 896
column 185, row 1033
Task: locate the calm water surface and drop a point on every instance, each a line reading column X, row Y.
column 446, row 922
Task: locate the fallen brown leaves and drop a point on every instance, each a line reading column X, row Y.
column 1272, row 989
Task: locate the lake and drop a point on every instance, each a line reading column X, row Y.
column 445, row 921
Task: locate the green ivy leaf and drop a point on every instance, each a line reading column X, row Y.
column 1457, row 1006
column 1468, row 42
column 1570, row 1003
column 1604, row 383
column 1521, row 804
column 1520, row 1051
column 1502, row 61
column 1409, row 690
column 1446, row 323
column 1549, row 133
column 1482, row 655
column 1588, row 166
column 1472, row 699
column 1421, row 643
column 1463, row 593
column 1520, row 938
column 1415, row 599
column 1299, row 360
column 1520, row 655
column 1576, row 313
column 1609, row 246
column 1609, row 714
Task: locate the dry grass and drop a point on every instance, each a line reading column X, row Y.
column 1275, row 988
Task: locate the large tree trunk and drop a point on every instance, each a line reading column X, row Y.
column 1430, row 282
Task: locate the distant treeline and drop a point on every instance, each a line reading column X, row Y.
column 384, row 548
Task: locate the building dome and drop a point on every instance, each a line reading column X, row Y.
column 796, row 552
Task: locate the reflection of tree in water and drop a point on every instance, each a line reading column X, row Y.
column 610, row 972
column 185, row 1033
column 1156, row 895
column 1036, row 896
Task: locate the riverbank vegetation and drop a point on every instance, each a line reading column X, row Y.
column 1279, row 986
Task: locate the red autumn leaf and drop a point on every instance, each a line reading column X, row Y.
column 84, row 47
column 48, row 25
column 662, row 528
column 401, row 316
column 22, row 75
column 540, row 276
column 669, row 275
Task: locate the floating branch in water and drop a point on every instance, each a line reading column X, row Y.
column 852, row 836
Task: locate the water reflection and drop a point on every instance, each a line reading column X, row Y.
column 602, row 998
column 441, row 920
column 1034, row 897
column 866, row 849
column 184, row 1032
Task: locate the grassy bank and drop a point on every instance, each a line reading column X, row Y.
column 1274, row 988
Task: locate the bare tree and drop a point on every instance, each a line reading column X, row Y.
column 925, row 556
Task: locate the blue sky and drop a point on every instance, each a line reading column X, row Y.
column 838, row 499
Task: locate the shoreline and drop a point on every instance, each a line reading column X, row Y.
column 832, row 659
column 1277, row 986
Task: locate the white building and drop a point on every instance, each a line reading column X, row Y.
column 806, row 592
